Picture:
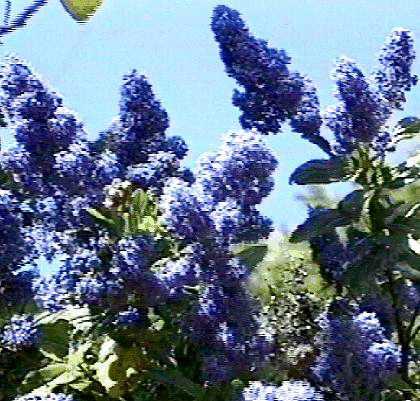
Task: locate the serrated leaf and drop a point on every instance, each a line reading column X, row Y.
column 81, row 10
column 80, row 385
column 320, row 171
column 320, row 222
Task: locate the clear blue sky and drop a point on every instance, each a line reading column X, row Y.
column 171, row 42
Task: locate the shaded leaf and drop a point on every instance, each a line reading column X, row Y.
column 321, row 171
column 251, row 254
column 43, row 376
column 319, row 222
column 177, row 379
column 352, row 204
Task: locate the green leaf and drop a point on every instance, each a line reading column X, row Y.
column 409, row 128
column 55, row 338
column 115, row 366
column 352, row 204
column 321, row 171
column 77, row 357
column 43, row 376
column 408, row 272
column 176, row 378
column 103, row 220
column 320, row 222
column 81, row 10
column 74, row 315
column 251, row 254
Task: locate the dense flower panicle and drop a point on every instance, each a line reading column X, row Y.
column 146, row 156
column 240, row 170
column 43, row 126
column 139, row 108
column 183, row 212
column 361, row 113
column 97, row 291
column 57, row 291
column 45, row 397
column 228, row 186
column 129, row 318
column 14, row 244
column 408, row 294
column 16, row 288
column 181, row 273
column 80, row 171
column 288, row 391
column 142, row 121
column 271, row 93
column 382, row 308
column 356, row 359
column 16, row 79
column 366, row 103
column 383, row 358
column 134, row 254
column 307, row 118
column 394, row 78
column 215, row 212
column 155, row 171
column 20, row 333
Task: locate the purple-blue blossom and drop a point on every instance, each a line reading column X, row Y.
column 45, row 397
column 356, row 360
column 20, row 333
column 129, row 318
column 394, row 76
column 271, row 92
column 294, row 390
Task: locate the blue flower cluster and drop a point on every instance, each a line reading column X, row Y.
column 13, row 242
column 288, row 391
column 20, row 333
column 130, row 317
column 43, row 127
column 366, row 103
column 16, row 249
column 61, row 171
column 217, row 211
column 271, row 92
column 146, row 155
column 396, row 59
column 87, row 279
column 45, row 397
column 356, row 358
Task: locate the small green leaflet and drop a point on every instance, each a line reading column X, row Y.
column 81, row 10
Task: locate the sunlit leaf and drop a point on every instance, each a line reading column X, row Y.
column 81, row 10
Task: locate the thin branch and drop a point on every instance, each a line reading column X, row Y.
column 402, row 335
column 413, row 320
column 23, row 17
